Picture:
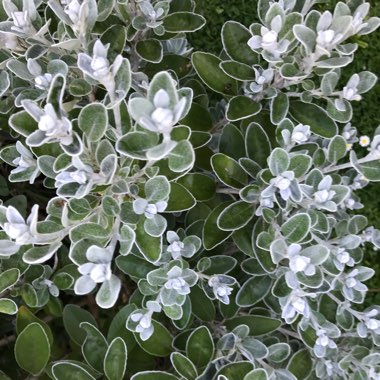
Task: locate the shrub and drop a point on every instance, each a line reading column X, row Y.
column 170, row 238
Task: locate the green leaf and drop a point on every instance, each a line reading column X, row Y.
column 235, row 371
column 134, row 266
column 238, row 71
column 23, row 123
column 157, row 188
column 198, row 118
column 150, row 50
column 235, row 216
column 300, row 164
column 70, row 371
column 153, row 375
column 279, row 161
column 279, row 107
column 79, row 87
column 201, row 186
column 182, row 157
column 8, row 306
column 115, row 361
column 257, row 144
column 149, row 246
column 183, row 22
column 8, row 278
column 32, row 349
column 306, row 36
column 231, row 142
column 87, row 230
column 229, row 171
column 115, row 35
column 207, row 67
column 258, row 325
column 235, row 38
column 253, row 290
column 202, row 307
column 296, row 228
column 370, row 170
column 136, row 144
column 300, row 365
column 25, row 317
column 212, row 235
column 241, row 107
column 94, row 347
column 73, row 316
column 200, row 347
column 256, row 374
column 180, row 199
column 160, row 343
column 183, row 366
column 117, row 327
column 314, row 116
column 337, row 149
column 93, row 121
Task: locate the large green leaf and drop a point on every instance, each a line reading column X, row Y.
column 70, row 371
column 94, row 347
column 200, row 347
column 148, row 245
column 314, row 116
column 160, row 343
column 296, row 228
column 201, row 186
column 235, row 216
column 257, row 144
column 300, row 364
column 212, row 235
column 235, row 38
column 153, row 375
column 93, row 121
column 258, row 325
column 183, row 22
column 253, row 290
column 229, row 171
column 241, row 107
column 150, row 50
column 73, row 316
column 183, row 366
column 32, row 349
column 180, row 199
column 207, row 67
column 115, row 361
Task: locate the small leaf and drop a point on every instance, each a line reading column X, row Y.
column 296, row 228
column 178, row 22
column 200, row 347
column 183, row 366
column 70, row 371
column 207, row 67
column 150, row 50
column 73, row 316
column 32, row 349
column 235, row 216
column 235, row 38
column 93, row 121
column 229, row 171
column 7, row 306
column 241, row 107
column 310, row 114
column 258, row 325
column 160, row 343
column 279, row 161
column 182, row 157
column 253, row 291
column 94, row 347
column 212, row 235
column 115, row 361
column 337, row 149
column 180, row 199
column 279, row 107
column 8, row 278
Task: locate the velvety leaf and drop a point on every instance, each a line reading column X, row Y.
column 257, row 144
column 183, row 366
column 241, row 107
column 69, row 371
column 207, row 67
column 258, row 325
column 200, row 347
column 253, row 290
column 311, row 114
column 93, row 121
column 183, row 22
column 180, row 198
column 32, row 349
column 201, row 186
column 296, row 228
column 150, row 50
column 235, row 38
column 235, row 216
column 115, row 361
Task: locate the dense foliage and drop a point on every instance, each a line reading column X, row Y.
column 164, row 236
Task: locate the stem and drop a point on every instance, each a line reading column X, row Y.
column 348, row 165
column 289, row 333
